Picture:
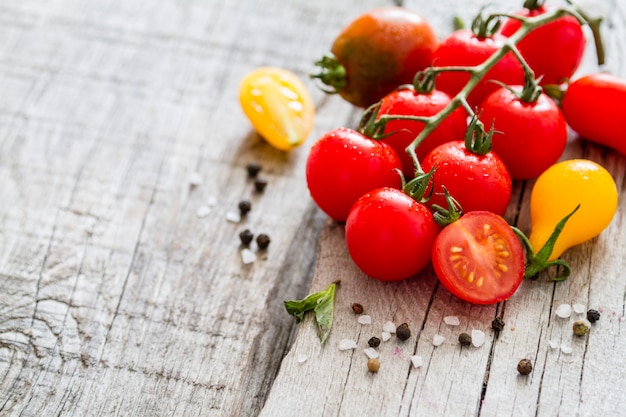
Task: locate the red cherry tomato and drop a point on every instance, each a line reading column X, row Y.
column 531, row 135
column 593, row 106
column 477, row 182
column 554, row 50
column 408, row 102
column 343, row 165
column 377, row 52
column 463, row 48
column 390, row 235
column 478, row 258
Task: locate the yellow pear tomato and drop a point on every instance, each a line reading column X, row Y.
column 556, row 194
column 278, row 105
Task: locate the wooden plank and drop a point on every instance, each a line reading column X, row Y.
column 116, row 298
column 477, row 380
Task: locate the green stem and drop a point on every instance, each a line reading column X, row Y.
column 478, row 72
column 537, row 262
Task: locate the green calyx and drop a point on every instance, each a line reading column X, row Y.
column 424, row 81
column 485, row 28
column 416, row 188
column 477, row 140
column 332, row 74
column 446, row 215
column 537, row 262
column 533, row 4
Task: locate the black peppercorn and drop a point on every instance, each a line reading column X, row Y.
column 497, row 324
column 253, row 169
column 357, row 308
column 374, row 342
column 263, row 241
column 260, row 184
column 244, row 207
column 403, row 332
column 593, row 315
column 465, row 339
column 525, row 367
column 246, row 237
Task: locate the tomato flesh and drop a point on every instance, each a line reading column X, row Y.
column 278, row 105
column 479, row 258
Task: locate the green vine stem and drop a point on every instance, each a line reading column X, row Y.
column 537, row 262
column 478, row 72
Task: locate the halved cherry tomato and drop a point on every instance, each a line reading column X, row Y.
column 278, row 105
column 408, row 102
column 377, row 52
column 343, row 165
column 390, row 235
column 478, row 258
column 554, row 50
column 593, row 106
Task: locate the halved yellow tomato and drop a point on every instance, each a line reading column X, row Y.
column 278, row 105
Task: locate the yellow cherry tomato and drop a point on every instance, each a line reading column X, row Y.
column 278, row 105
column 556, row 194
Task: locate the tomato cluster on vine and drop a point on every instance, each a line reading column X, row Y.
column 426, row 177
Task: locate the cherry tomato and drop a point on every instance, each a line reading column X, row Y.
column 478, row 258
column 377, row 52
column 408, row 102
column 554, row 50
column 278, row 105
column 390, row 235
column 593, row 106
column 477, row 182
column 558, row 191
column 464, row 48
column 531, row 135
column 343, row 165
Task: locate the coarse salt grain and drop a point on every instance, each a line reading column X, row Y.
column 195, row 179
column 438, row 339
column 389, row 327
column 347, row 344
column 203, row 211
column 451, row 320
column 553, row 344
column 564, row 311
column 478, row 338
column 386, row 336
column 365, row 319
column 579, row 308
column 417, row 361
column 370, row 352
column 566, row 349
column 301, row 358
column 233, row 217
column 247, row 256
column 211, row 201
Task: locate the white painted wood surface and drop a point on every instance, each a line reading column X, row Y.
column 117, row 298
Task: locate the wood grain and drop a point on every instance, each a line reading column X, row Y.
column 117, row 298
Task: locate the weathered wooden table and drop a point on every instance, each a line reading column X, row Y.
column 122, row 290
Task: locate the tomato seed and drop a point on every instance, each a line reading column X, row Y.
column 357, row 308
